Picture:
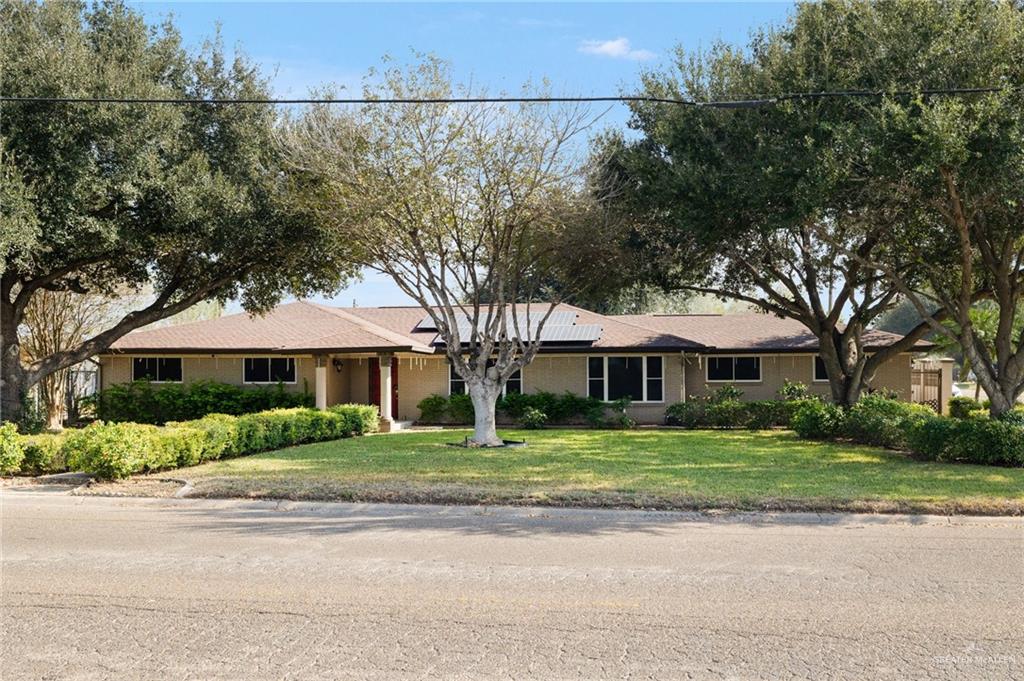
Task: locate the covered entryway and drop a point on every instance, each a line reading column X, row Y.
column 375, row 382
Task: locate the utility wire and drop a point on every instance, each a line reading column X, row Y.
column 752, row 102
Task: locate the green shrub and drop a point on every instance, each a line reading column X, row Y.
column 726, row 413
column 818, row 420
column 713, row 413
column 43, row 454
column 688, row 414
column 986, row 441
column 220, row 435
column 433, row 409
column 793, row 390
column 356, row 419
column 460, row 409
column 175, row 447
column 1014, row 416
column 112, row 450
column 533, row 419
column 726, row 392
column 928, row 438
column 143, row 402
column 619, row 417
column 764, row 414
column 883, row 422
column 11, row 452
column 961, row 407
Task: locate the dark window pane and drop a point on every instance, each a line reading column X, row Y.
column 719, row 368
column 625, row 378
column 654, row 393
column 595, row 367
column 514, row 385
column 595, row 388
column 257, row 370
column 456, row 386
column 654, row 367
column 144, row 368
column 282, row 369
column 819, row 370
column 748, row 368
column 169, row 369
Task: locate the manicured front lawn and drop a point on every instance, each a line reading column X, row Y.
column 663, row 469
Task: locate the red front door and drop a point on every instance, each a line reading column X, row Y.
column 375, row 384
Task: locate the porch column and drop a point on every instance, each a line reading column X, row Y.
column 945, row 384
column 321, row 382
column 384, row 359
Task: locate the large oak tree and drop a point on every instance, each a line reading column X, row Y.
column 794, row 204
column 186, row 201
column 475, row 210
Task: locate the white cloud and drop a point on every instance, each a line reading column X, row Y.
column 616, row 49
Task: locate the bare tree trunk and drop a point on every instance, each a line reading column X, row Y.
column 12, row 375
column 484, row 395
column 52, row 388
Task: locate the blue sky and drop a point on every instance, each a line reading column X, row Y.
column 581, row 48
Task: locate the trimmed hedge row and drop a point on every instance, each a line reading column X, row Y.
column 143, row 402
column 564, row 409
column 117, row 450
column 732, row 413
column 899, row 425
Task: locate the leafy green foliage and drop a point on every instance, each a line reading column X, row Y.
column 114, row 450
column 875, row 420
column 793, row 390
column 986, row 441
column 144, row 402
column 713, row 412
column 117, row 450
column 11, row 452
column 533, row 419
column 961, row 407
column 818, row 420
column 883, row 422
column 43, row 454
column 460, row 409
column 565, row 409
column 433, row 409
column 190, row 201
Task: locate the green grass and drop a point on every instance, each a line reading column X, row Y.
column 667, row 469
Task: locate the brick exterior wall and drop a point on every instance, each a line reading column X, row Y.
column 420, row 376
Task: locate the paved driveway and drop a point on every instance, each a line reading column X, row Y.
column 132, row 588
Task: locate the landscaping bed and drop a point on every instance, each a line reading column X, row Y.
column 660, row 469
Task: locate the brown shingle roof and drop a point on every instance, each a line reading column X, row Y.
column 751, row 332
column 308, row 327
column 293, row 327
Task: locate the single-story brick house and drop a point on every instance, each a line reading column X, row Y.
column 350, row 354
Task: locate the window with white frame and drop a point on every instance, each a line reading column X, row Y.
column 820, row 373
column 638, row 377
column 457, row 386
column 728, row 369
column 268, row 370
column 157, row 369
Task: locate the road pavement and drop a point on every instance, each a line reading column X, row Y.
column 96, row 588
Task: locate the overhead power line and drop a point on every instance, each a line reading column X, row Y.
column 751, row 102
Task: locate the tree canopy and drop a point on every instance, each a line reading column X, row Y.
column 476, row 211
column 793, row 205
column 186, row 200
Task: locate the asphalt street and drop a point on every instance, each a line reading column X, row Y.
column 97, row 588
